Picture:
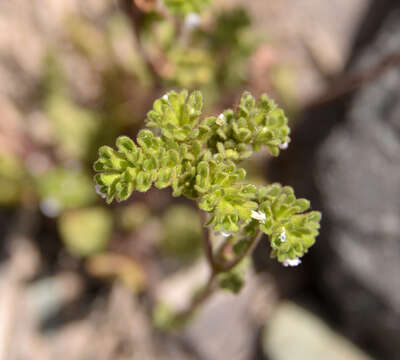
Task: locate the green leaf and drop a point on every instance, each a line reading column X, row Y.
column 184, row 7
column 252, row 126
column 233, row 280
column 291, row 231
column 86, row 231
column 176, row 115
column 65, row 188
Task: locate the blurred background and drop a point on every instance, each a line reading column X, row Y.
column 81, row 280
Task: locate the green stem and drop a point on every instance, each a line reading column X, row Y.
column 208, row 248
column 183, row 316
column 216, row 268
column 230, row 265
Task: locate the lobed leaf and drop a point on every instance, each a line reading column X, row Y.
column 290, row 229
column 252, row 126
column 176, row 115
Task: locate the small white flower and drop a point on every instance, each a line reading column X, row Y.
column 284, row 146
column 258, row 215
column 98, row 187
column 165, row 97
column 291, row 262
column 226, row 233
column 192, row 21
column 220, row 120
column 282, row 236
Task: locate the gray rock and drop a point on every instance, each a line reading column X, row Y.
column 294, row 333
column 345, row 157
column 358, row 177
column 358, row 172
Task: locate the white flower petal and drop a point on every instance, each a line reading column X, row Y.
column 192, row 21
column 98, row 187
column 284, row 146
column 258, row 215
column 291, row 262
column 226, row 233
column 220, row 120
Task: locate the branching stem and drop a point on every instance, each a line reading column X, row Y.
column 216, row 268
column 230, row 265
column 184, row 315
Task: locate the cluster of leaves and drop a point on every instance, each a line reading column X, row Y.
column 231, row 43
column 212, row 57
column 184, row 7
column 250, row 127
column 199, row 159
column 290, row 228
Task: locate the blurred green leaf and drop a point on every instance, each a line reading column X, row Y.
column 86, row 231
column 65, row 188
column 182, row 232
column 184, row 7
column 12, row 178
column 74, row 126
column 234, row 280
column 133, row 216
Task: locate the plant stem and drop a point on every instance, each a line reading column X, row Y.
column 207, row 241
column 184, row 315
column 230, row 265
column 216, row 268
